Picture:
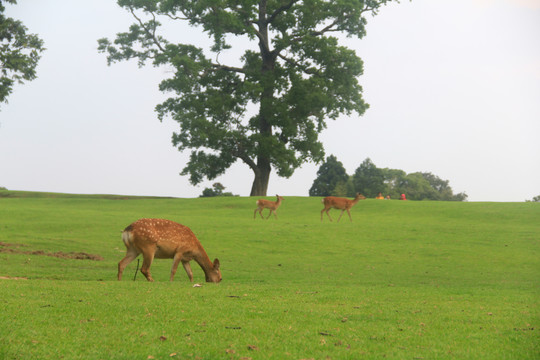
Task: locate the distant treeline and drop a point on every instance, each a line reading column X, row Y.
column 217, row 190
column 369, row 180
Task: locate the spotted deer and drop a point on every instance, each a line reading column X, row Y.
column 165, row 239
column 267, row 204
column 332, row 202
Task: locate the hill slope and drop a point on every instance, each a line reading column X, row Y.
column 404, row 279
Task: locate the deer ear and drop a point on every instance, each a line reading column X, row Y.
column 216, row 264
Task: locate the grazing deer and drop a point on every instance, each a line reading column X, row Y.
column 340, row 204
column 267, row 204
column 165, row 239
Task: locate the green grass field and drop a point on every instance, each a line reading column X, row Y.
column 404, row 280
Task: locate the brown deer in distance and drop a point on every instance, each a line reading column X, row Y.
column 165, row 239
column 267, row 204
column 332, row 202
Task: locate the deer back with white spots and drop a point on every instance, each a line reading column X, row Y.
column 165, row 239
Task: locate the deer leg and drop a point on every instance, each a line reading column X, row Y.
column 349, row 212
column 175, row 266
column 145, row 268
column 328, row 214
column 322, row 213
column 340, row 215
column 270, row 213
column 130, row 256
column 187, row 267
column 255, row 213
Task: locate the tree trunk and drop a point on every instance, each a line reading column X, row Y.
column 262, row 177
column 263, row 167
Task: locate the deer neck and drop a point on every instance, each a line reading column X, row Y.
column 204, row 262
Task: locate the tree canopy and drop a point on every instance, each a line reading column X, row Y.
column 296, row 74
column 19, row 53
column 369, row 178
column 217, row 190
column 330, row 175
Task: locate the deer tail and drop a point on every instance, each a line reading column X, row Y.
column 127, row 237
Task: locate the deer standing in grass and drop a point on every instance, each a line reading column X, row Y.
column 165, row 239
column 267, row 204
column 340, row 204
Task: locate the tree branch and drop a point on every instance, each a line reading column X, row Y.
column 246, row 159
column 336, row 22
column 146, row 30
column 280, row 10
column 175, row 17
column 327, row 28
column 298, row 65
column 228, row 68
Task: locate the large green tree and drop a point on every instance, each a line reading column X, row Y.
column 443, row 191
column 19, row 53
column 295, row 74
column 392, row 180
column 330, row 174
column 368, row 179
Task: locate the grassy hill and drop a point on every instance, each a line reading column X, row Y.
column 404, row 280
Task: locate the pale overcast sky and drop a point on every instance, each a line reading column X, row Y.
column 453, row 85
